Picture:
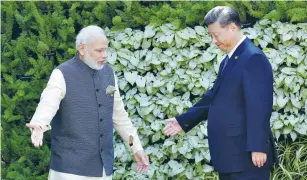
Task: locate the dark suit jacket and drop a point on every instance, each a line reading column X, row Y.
column 238, row 108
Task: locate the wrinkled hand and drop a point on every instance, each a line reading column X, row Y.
column 142, row 161
column 172, row 128
column 259, row 158
column 36, row 135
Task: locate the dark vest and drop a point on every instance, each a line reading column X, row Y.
column 82, row 129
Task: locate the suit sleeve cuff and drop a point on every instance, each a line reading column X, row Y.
column 258, row 147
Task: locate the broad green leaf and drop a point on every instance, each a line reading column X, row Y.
column 122, row 84
column 158, row 83
column 145, row 102
column 138, row 36
column 189, row 173
column 149, row 32
column 264, row 22
column 192, row 65
column 282, row 101
column 263, row 43
column 208, row 168
column 146, row 43
column 183, row 34
column 176, row 167
column 156, row 137
column 131, row 76
column 170, row 38
column 200, row 30
column 287, row 130
column 301, row 129
column 155, row 126
column 286, row 37
column 206, row 57
column 170, row 87
column 204, row 82
column 168, row 52
column 198, row 157
column 124, row 53
column 192, row 33
column 293, row 136
column 116, row 44
column 174, row 149
column 112, row 58
column 179, row 109
column 168, row 142
column 134, row 61
column 278, row 124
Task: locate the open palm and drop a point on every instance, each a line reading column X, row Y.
column 172, row 128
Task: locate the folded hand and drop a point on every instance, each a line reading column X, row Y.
column 37, row 134
column 259, row 158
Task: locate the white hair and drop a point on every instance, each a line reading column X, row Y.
column 89, row 34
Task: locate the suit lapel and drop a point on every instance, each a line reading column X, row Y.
column 231, row 64
column 219, row 76
column 235, row 58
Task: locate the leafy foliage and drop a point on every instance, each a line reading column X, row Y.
column 163, row 70
column 293, row 161
column 37, row 36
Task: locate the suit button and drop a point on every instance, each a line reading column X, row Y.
column 101, row 135
column 101, row 120
column 99, row 105
column 97, row 90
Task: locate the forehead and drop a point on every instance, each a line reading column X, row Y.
column 99, row 43
column 216, row 27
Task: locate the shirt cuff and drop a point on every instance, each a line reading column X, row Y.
column 137, row 146
column 44, row 127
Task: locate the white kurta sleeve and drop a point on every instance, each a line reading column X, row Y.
column 122, row 122
column 50, row 100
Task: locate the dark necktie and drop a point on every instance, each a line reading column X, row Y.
column 225, row 63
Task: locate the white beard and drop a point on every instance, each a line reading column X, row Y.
column 88, row 60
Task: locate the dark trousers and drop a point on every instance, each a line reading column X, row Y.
column 254, row 174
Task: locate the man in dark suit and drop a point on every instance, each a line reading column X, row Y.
column 239, row 105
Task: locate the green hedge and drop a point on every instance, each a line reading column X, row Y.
column 163, row 70
column 37, row 36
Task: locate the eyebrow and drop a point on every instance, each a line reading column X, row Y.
column 214, row 32
column 101, row 48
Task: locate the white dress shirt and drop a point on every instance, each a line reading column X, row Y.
column 235, row 48
column 49, row 105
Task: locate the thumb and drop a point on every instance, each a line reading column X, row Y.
column 29, row 125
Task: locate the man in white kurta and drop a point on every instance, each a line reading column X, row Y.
column 50, row 101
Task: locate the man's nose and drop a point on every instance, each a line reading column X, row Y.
column 104, row 54
column 214, row 41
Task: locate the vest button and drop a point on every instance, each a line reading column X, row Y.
column 101, row 135
column 101, row 150
column 99, row 105
column 97, row 90
column 101, row 120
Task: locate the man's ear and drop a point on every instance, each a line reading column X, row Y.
column 233, row 27
column 81, row 49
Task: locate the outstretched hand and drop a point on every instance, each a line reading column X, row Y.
column 142, row 161
column 172, row 128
